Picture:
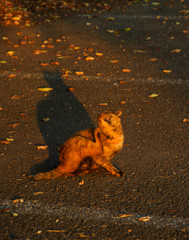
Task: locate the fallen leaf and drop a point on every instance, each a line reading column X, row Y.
column 166, row 71
column 55, row 63
column 110, row 31
column 71, row 89
column 114, row 61
column 185, row 120
column 153, row 95
column 103, row 104
column 17, row 96
column 122, row 82
column 45, row 89
column 126, row 70
column 89, row 58
column 11, row 75
column 10, row 53
column 127, row 29
column 81, row 183
column 42, row 147
column 99, row 54
column 79, row 73
column 4, row 142
column 155, row 3
column 153, row 59
column 122, row 102
column 15, row 214
column 38, row 232
column 38, row 193
column 144, row 219
column 9, row 139
column 44, row 64
column 46, row 119
column 110, row 19
column 55, row 231
column 175, row 50
column 139, row 51
column 124, row 215
column 2, row 61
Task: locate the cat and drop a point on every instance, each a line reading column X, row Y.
column 89, row 149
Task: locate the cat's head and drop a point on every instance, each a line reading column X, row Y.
column 108, row 121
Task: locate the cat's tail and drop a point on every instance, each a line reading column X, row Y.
column 55, row 173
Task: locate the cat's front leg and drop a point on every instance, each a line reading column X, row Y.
column 108, row 166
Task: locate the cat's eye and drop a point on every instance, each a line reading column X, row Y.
column 108, row 120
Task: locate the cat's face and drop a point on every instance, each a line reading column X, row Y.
column 109, row 121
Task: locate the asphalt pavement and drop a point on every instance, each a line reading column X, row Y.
column 55, row 79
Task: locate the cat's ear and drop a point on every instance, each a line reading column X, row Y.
column 119, row 113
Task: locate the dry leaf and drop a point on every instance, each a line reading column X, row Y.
column 9, row 139
column 153, row 95
column 126, row 70
column 42, row 147
column 71, row 89
column 153, row 59
column 124, row 215
column 122, row 82
column 99, row 54
column 81, row 183
column 139, row 51
column 144, row 219
column 37, row 193
column 89, row 58
column 127, row 29
column 185, row 120
column 175, row 50
column 55, row 231
column 122, row 102
column 10, row 53
column 55, row 63
column 17, row 96
column 79, row 73
column 45, row 89
column 13, row 125
column 4, row 142
column 110, row 31
column 114, row 61
column 44, row 64
column 166, row 71
column 15, row 214
column 103, row 104
column 11, row 75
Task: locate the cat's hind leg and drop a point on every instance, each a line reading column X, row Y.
column 108, row 166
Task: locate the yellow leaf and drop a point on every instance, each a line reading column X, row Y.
column 166, row 71
column 89, row 58
column 99, row 54
column 153, row 95
column 127, row 29
column 45, row 89
column 110, row 31
column 9, row 139
column 10, row 53
column 114, row 61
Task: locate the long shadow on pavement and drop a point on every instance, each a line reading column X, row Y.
column 59, row 116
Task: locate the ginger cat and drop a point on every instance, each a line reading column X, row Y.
column 88, row 149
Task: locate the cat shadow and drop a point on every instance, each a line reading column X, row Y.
column 59, row 115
